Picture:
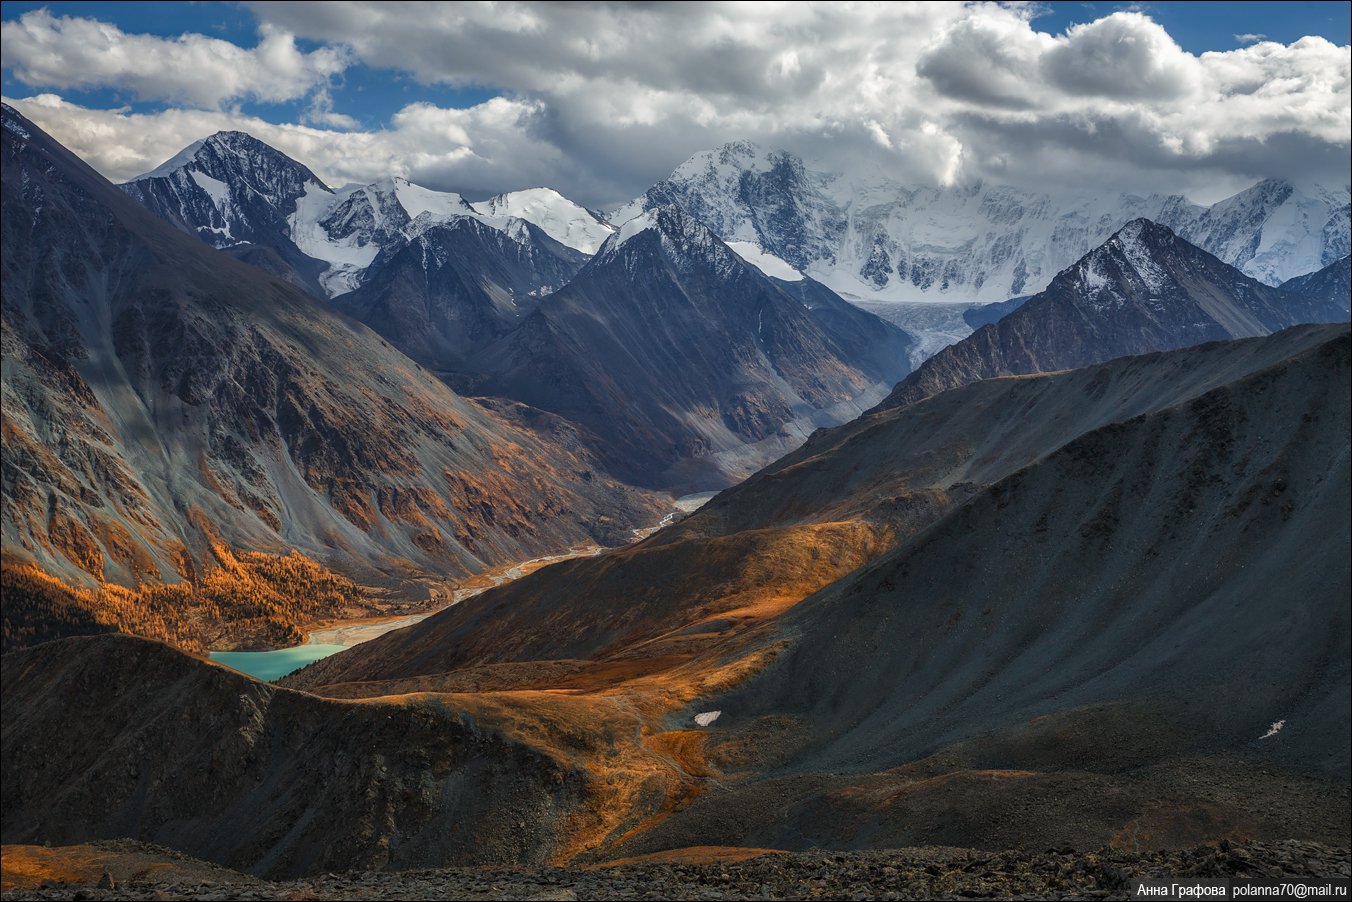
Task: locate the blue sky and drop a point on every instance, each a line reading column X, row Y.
column 369, row 95
column 1202, row 25
column 601, row 100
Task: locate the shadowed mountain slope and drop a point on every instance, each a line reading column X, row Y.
column 160, row 397
column 687, row 365
column 197, row 757
column 843, row 498
column 1157, row 609
column 1322, row 293
column 1115, row 558
column 1085, row 653
column 450, row 288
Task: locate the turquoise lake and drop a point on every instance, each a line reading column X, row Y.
column 271, row 665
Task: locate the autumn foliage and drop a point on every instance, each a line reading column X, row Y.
column 249, row 598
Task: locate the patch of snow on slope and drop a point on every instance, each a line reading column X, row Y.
column 215, row 188
column 1141, row 260
column 767, row 263
column 1091, row 277
column 17, row 129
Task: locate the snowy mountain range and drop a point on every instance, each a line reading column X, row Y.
column 1145, row 289
column 871, row 239
column 686, row 362
column 881, row 240
column 234, row 191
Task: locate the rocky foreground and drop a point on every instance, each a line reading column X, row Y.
column 128, row 870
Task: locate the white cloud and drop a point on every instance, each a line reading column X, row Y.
column 1125, row 55
column 73, row 52
column 485, row 145
column 1248, row 37
column 600, row 100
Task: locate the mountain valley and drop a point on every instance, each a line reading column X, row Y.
column 780, row 533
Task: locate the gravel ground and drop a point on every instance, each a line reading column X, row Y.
column 898, row 874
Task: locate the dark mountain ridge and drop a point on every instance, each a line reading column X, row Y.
column 687, row 365
column 1145, row 289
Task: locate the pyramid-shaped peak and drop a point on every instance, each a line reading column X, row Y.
column 226, row 152
column 1144, row 231
column 235, row 138
column 1142, row 252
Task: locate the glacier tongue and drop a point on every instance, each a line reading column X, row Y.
column 347, row 257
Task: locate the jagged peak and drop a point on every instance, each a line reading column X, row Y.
column 734, row 156
column 670, row 221
column 427, row 220
column 740, row 148
column 236, row 138
column 236, row 145
column 427, row 223
column 682, row 238
column 1143, row 230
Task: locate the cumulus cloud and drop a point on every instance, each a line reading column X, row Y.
column 75, row 52
column 1125, row 55
column 600, row 100
column 483, row 149
column 988, row 61
column 1248, row 37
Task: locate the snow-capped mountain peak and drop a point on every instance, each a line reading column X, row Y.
column 640, row 223
column 745, row 193
column 685, row 241
column 873, row 238
column 234, row 190
column 241, row 160
column 1137, row 242
column 682, row 239
column 558, row 217
column 416, row 200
